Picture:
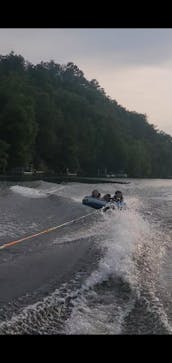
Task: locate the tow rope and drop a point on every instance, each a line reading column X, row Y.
column 9, row 244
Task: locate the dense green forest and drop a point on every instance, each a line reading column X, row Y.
column 52, row 118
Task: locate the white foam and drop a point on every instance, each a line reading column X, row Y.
column 38, row 316
column 28, row 192
column 124, row 230
column 97, row 319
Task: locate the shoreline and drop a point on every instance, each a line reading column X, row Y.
column 60, row 179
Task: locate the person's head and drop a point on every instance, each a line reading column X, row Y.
column 118, row 195
column 95, row 193
column 107, row 197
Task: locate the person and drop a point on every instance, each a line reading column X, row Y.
column 95, row 194
column 118, row 197
column 107, row 198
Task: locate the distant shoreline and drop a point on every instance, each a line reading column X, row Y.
column 60, row 179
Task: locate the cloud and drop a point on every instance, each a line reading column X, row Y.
column 116, row 46
column 134, row 66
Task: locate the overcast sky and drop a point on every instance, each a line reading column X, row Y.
column 134, row 66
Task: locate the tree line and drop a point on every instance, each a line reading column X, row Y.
column 52, row 118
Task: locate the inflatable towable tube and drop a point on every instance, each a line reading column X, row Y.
column 98, row 203
column 94, row 202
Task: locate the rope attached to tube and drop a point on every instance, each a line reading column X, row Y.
column 9, row 244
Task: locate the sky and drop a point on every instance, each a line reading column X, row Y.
column 134, row 65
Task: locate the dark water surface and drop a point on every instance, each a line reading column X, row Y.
column 103, row 274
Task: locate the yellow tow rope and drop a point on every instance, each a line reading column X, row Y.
column 9, row 244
